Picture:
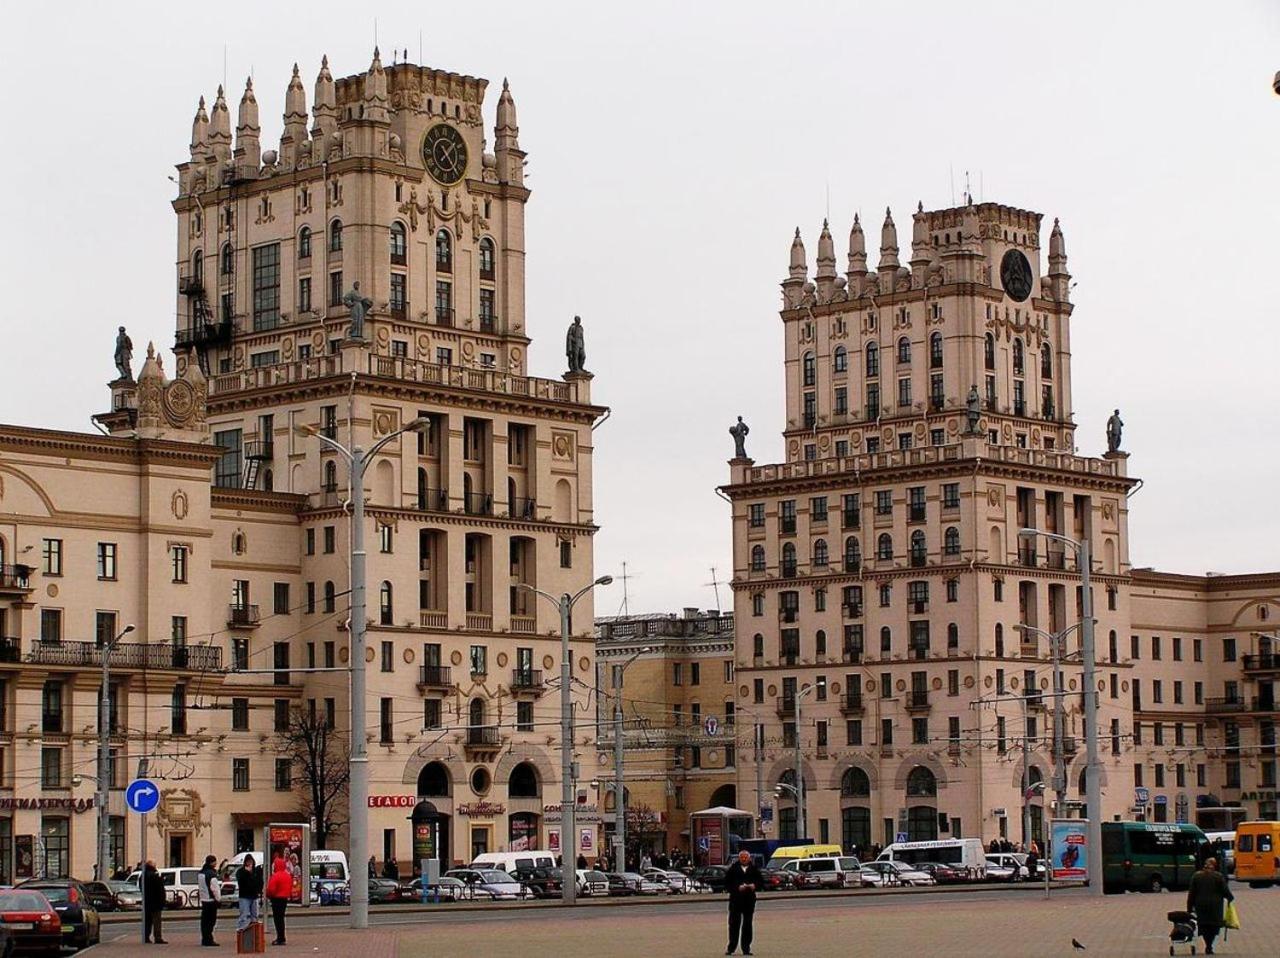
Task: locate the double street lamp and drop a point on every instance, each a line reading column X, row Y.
column 1093, row 787
column 620, row 789
column 104, row 755
column 358, row 789
column 801, row 830
column 568, row 824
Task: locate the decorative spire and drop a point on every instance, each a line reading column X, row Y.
column 921, row 247
column 200, row 131
column 799, row 268
column 220, row 127
column 295, row 99
column 1057, row 246
column 888, row 243
column 857, row 248
column 248, row 148
column 826, row 254
column 506, row 134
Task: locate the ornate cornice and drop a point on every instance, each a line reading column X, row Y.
column 105, row 448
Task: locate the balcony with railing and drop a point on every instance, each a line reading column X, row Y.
column 852, row 610
column 434, row 677
column 523, row 508
column 788, row 615
column 433, row 619
column 788, row 569
column 479, row 621
column 10, row 649
column 851, row 704
column 1266, row 662
column 262, row 450
column 786, row 706
column 478, row 504
column 918, row 701
column 202, row 335
column 488, row 323
column 483, row 740
column 524, row 624
column 1229, row 703
column 853, row 654
column 1264, row 703
column 444, row 315
column 15, row 579
column 430, row 500
column 126, row 655
column 242, row 616
column 526, row 680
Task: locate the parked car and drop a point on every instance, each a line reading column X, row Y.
column 181, row 886
column 383, row 891
column 492, row 881
column 943, row 874
column 829, row 872
column 885, row 874
column 637, row 884
column 542, row 881
column 447, row 888
column 326, row 891
column 678, row 882
column 778, row 879
column 31, row 921
column 81, row 926
column 592, row 883
column 101, row 896
column 1007, row 866
column 128, row 897
column 713, row 876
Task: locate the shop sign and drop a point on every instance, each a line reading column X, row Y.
column 582, row 814
column 482, row 809
column 1263, row 795
column 392, row 801
column 76, row 805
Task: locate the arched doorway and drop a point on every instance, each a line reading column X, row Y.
column 922, row 819
column 430, row 825
column 726, row 795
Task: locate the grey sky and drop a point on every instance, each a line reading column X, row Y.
column 673, row 148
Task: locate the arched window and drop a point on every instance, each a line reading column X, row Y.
column 433, row 781
column 989, row 352
column 444, row 252
column 840, row 363
column 197, row 267
column 1018, row 359
column 1082, row 783
column 329, row 597
column 757, row 558
column 757, row 646
column 1046, row 362
column 524, row 782
column 953, row 636
column 227, row 260
column 921, row 783
column 873, row 359
column 789, row 559
column 304, row 243
column 919, row 551
column 999, row 641
column 486, row 259
column 384, row 604
column 820, row 553
column 904, row 351
column 951, row 541
column 886, row 640
column 855, row 783
column 475, row 717
column 935, row 351
column 330, row 476
column 335, row 236
column 398, row 244
column 810, row 369
column 884, row 547
column 852, row 555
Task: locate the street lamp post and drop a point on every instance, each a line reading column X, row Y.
column 104, row 754
column 801, row 829
column 1092, row 784
column 1057, row 644
column 568, row 823
column 358, row 788
column 620, row 790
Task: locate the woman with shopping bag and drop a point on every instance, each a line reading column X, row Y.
column 1209, row 897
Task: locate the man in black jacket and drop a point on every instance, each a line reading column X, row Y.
column 154, row 895
column 741, row 881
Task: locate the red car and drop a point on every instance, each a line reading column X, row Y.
column 32, row 921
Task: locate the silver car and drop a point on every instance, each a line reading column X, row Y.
column 886, row 874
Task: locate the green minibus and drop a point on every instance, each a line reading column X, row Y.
column 1149, row 856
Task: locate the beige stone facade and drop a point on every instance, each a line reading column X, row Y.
column 929, row 418
column 391, row 185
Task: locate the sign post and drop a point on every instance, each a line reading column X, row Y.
column 142, row 796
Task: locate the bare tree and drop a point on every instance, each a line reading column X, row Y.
column 320, row 753
column 643, row 823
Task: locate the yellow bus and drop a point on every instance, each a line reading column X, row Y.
column 1258, row 853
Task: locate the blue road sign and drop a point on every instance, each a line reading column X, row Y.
column 900, row 837
column 142, row 796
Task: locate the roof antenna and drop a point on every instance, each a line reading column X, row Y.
column 626, row 593
column 951, row 169
column 968, row 194
column 715, row 584
column 828, row 217
column 375, row 32
column 224, row 66
column 419, row 48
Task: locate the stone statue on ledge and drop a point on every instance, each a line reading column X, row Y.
column 124, row 355
column 575, row 347
column 739, row 434
column 1115, row 425
column 972, row 411
column 359, row 304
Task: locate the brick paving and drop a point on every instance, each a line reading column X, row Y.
column 900, row 925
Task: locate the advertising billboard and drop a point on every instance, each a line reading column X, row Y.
column 292, row 844
column 1069, row 849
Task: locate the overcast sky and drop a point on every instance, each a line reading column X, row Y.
column 673, row 148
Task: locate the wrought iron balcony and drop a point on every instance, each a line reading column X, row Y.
column 786, row 705
column 263, row 449
column 432, row 500
column 204, row 334
column 126, row 655
column 1266, row 662
column 444, row 315
column 478, row 504
column 15, row 578
column 10, row 649
column 484, row 736
column 243, row 616
column 434, row 677
column 488, row 324
column 526, row 678
column 851, row 704
column 522, row 508
column 1234, row 703
column 918, row 700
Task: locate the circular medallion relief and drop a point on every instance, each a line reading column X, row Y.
column 344, row 654
column 502, row 660
column 1015, row 275
column 584, row 664
column 968, row 681
column 369, row 655
column 772, row 691
column 1071, row 685
column 988, row 682
column 408, row 656
column 548, row 662
column 937, row 684
column 455, row 657
column 51, row 590
column 901, row 686
column 743, row 691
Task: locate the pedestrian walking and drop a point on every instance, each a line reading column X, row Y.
column 390, row 869
column 1207, row 896
column 373, row 867
column 279, row 891
column 741, row 881
column 249, row 880
column 153, row 894
column 210, row 891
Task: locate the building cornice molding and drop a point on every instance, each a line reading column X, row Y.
column 106, row 448
column 285, row 503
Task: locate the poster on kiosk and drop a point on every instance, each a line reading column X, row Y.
column 1070, row 849
column 292, row 843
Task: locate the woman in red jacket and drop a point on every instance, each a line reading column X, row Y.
column 279, row 890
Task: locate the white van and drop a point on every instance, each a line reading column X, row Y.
column 833, row 872
column 180, row 884
column 326, row 865
column 1227, row 841
column 512, row 862
column 966, row 853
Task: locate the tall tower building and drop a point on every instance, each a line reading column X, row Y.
column 367, row 272
column 882, row 590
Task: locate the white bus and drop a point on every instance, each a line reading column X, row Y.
column 966, row 853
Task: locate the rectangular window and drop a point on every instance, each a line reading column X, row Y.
column 304, row 295
column 757, row 691
column 240, row 774
column 884, row 502
column 386, row 721
column 1197, row 650
column 284, row 775
column 239, row 654
column 853, row 732
column 695, row 673
column 240, row 715
column 106, row 560
column 1228, row 650
column 398, row 301
column 51, row 557
column 1155, row 648
column 951, row 495
column 755, row 515
column 178, row 556
column 920, row 731
column 479, row 660
column 431, row 713
column 51, row 767
column 524, row 716
column 886, row 732
column 388, row 657
column 280, row 605
column 787, row 516
column 266, row 287
column 488, row 314
column 330, row 539
column 280, row 715
column 227, row 472
column 335, row 288
column 904, row 394
column 677, row 673
column 818, row 509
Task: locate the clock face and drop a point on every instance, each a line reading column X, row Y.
column 1015, row 275
column 445, row 154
